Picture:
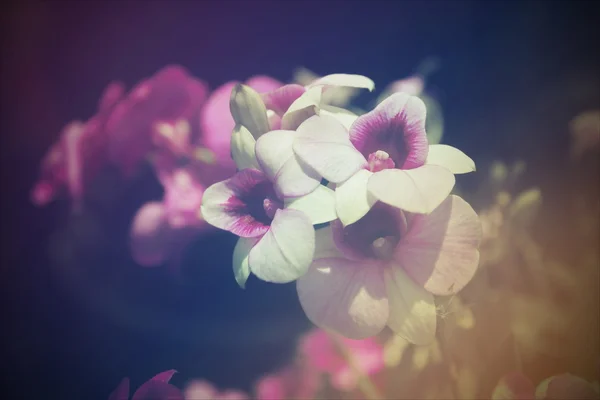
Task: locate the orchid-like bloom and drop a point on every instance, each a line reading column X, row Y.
column 295, row 103
column 277, row 237
column 157, row 388
column 385, row 157
column 216, row 120
column 161, row 230
column 170, row 97
column 75, row 160
column 385, row 268
column 516, row 386
column 338, row 96
column 203, row 390
column 293, row 382
column 341, row 358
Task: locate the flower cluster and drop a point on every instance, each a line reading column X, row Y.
column 356, row 209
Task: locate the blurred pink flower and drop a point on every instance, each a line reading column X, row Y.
column 293, row 382
column 385, row 268
column 78, row 155
column 216, row 121
column 157, row 388
column 516, row 386
column 413, row 85
column 171, row 97
column 322, row 354
column 203, row 390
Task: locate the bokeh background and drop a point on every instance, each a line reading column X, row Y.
column 78, row 314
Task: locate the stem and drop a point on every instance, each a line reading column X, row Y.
column 365, row 384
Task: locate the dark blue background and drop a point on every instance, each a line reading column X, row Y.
column 73, row 327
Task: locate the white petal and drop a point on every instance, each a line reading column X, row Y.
column 242, row 148
column 302, row 108
column 248, row 109
column 353, row 199
column 345, row 296
column 292, row 177
column 241, row 270
column 346, row 117
column 451, row 158
column 324, row 244
column 318, row 205
column 324, row 144
column 347, row 80
column 418, row 190
column 285, row 252
column 412, row 308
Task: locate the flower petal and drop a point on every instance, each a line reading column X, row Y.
column 352, row 199
column 304, row 107
column 241, row 270
column 216, row 122
column 346, row 80
column 323, row 143
column 248, row 109
column 150, row 234
column 292, row 177
column 346, row 117
column 222, row 208
column 281, row 99
column 152, row 390
column 263, row 83
column 164, row 376
column 440, row 250
column 565, row 387
column 121, row 392
column 418, row 190
column 345, row 296
column 396, row 126
column 285, row 252
column 325, row 246
column 412, row 309
column 318, row 205
column 514, row 386
column 242, row 148
column 450, row 157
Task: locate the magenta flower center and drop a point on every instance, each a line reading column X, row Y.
column 374, row 236
column 261, row 202
column 380, row 160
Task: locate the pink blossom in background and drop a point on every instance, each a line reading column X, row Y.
column 516, row 386
column 293, row 382
column 169, row 97
column 413, row 85
column 157, row 388
column 78, row 155
column 216, row 121
column 385, row 269
column 203, row 390
column 322, row 354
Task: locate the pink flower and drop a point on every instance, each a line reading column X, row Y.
column 293, row 382
column 385, row 157
column 385, row 268
column 157, row 388
column 516, row 386
column 171, row 96
column 276, row 232
column 215, row 117
column 322, row 354
column 413, row 85
column 203, row 390
column 81, row 151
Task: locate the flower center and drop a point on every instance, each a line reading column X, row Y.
column 380, row 160
column 374, row 236
column 262, row 202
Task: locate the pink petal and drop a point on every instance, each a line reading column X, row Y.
column 514, row 386
column 440, row 250
column 165, row 376
column 223, row 204
column 150, row 235
column 323, row 143
column 183, row 198
column 566, row 387
column 281, row 99
column 292, row 177
column 156, row 390
column 263, row 83
column 112, row 94
column 285, row 252
column 345, row 296
column 396, row 126
column 216, row 121
column 72, row 150
column 121, row 392
column 271, row 387
column 412, row 85
column 418, row 190
column 200, row 390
